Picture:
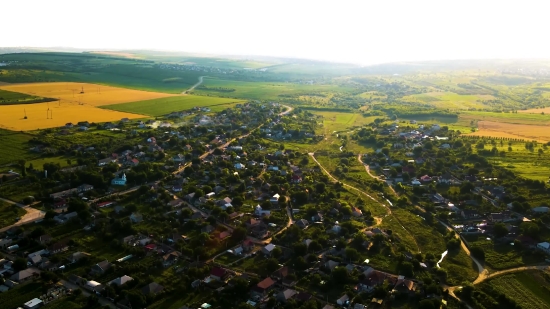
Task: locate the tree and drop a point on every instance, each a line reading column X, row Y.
column 277, row 252
column 20, row 264
column 320, row 187
column 406, row 269
column 478, row 253
column 426, row 304
column 271, row 265
column 530, row 229
column 352, row 254
column 500, row 230
column 340, row 275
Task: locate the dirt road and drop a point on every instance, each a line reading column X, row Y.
column 32, row 215
column 201, row 79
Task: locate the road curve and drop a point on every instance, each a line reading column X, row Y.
column 32, row 215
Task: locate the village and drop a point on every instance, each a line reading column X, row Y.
column 215, row 207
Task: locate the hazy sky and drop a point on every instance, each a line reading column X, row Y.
column 363, row 32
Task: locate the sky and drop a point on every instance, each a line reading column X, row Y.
column 361, row 32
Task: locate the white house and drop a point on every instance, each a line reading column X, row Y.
column 336, row 229
column 268, row 249
column 258, row 211
column 544, row 246
column 436, row 127
column 445, row 146
column 275, row 198
column 119, row 181
column 239, row 166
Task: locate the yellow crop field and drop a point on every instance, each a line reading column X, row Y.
column 78, row 102
column 83, row 93
column 510, row 130
column 12, row 116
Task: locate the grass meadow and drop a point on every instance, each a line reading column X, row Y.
column 163, row 106
column 8, row 213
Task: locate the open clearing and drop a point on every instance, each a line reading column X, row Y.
column 94, row 95
column 163, row 106
column 509, row 130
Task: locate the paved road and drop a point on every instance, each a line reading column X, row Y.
column 201, row 79
column 32, row 215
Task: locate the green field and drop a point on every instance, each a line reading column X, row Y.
column 530, row 289
column 503, row 256
column 14, row 146
column 10, row 97
column 8, row 213
column 163, row 106
column 450, row 100
column 261, row 90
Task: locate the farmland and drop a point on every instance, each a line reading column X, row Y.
column 84, row 93
column 72, row 107
column 12, row 117
column 450, row 100
column 163, row 106
column 10, row 97
column 510, row 130
column 261, row 90
column 16, row 297
column 530, row 289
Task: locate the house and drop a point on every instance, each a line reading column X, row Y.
column 258, row 211
column 119, row 180
column 239, row 166
column 223, row 235
column 268, row 249
column 44, row 239
column 177, row 188
column 248, row 245
column 330, row 264
column 93, row 286
column 303, row 297
column 170, row 258
column 281, row 273
column 105, row 161
column 544, row 247
column 152, row 288
column 540, row 210
column 101, row 267
column 136, row 217
column 65, row 217
column 121, row 280
column 264, row 286
column 302, row 223
column 179, row 158
column 23, row 276
column 77, row 256
column 285, row 295
column 69, row 125
column 275, row 199
column 343, row 300
column 33, row 304
column 496, row 217
column 218, row 274
column 175, row 203
column 469, row 214
column 336, row 229
column 296, row 179
column 317, row 218
column 425, row 178
column 207, row 229
column 59, row 246
column 356, row 212
column 35, row 259
column 405, row 286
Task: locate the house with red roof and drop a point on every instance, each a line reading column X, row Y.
column 218, row 274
